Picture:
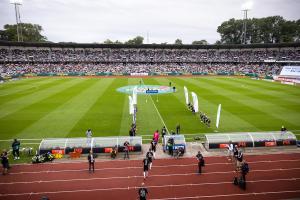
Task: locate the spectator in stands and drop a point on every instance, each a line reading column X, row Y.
column 201, row 162
column 4, row 162
column 126, row 150
column 16, row 149
column 143, row 192
column 91, row 159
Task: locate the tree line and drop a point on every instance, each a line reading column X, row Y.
column 274, row 29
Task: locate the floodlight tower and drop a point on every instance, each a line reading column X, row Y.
column 17, row 3
column 245, row 8
column 244, row 39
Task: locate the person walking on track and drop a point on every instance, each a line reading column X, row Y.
column 146, row 167
column 200, row 159
column 91, row 159
column 143, row 192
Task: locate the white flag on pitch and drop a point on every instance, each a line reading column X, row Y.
column 186, row 94
column 195, row 102
column 134, row 95
column 131, row 108
column 218, row 116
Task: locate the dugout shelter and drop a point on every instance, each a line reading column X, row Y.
column 250, row 139
column 84, row 145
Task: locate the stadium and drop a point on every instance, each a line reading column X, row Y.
column 73, row 106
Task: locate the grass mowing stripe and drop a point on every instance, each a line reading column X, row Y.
column 211, row 94
column 30, row 90
column 20, row 103
column 20, row 88
column 74, row 103
column 276, row 91
column 126, row 117
column 271, row 86
column 277, row 114
column 18, row 121
column 16, row 83
column 162, row 120
column 105, row 115
column 285, row 107
column 147, row 118
column 208, row 103
column 172, row 106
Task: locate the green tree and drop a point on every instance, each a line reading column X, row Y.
column 273, row 29
column 138, row 40
column 108, row 41
column 178, row 42
column 231, row 31
column 201, row 42
column 30, row 32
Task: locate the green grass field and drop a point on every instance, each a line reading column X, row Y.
column 67, row 107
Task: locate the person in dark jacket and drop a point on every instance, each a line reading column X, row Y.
column 143, row 192
column 4, row 162
column 200, row 159
column 91, row 159
column 16, row 149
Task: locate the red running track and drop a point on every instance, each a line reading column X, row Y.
column 275, row 176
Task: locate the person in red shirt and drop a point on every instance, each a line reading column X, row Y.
column 156, row 136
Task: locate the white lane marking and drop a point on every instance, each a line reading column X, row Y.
column 229, row 195
column 155, row 166
column 135, row 187
column 136, row 176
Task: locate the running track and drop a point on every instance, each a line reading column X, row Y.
column 275, row 176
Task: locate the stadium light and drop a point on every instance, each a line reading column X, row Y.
column 17, row 3
column 247, row 5
column 245, row 8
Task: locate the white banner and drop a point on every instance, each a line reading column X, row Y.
column 195, row 102
column 186, row 94
column 290, row 71
column 131, row 108
column 138, row 74
column 134, row 95
column 218, row 116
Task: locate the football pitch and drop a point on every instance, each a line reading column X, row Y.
column 67, row 107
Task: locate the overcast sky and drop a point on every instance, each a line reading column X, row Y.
column 87, row 21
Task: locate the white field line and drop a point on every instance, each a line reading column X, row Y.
column 230, row 195
column 132, row 177
column 152, row 186
column 157, row 110
column 154, row 166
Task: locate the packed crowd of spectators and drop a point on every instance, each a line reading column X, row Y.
column 146, row 55
column 159, row 61
column 91, row 69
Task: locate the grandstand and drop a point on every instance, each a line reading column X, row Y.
column 44, row 59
